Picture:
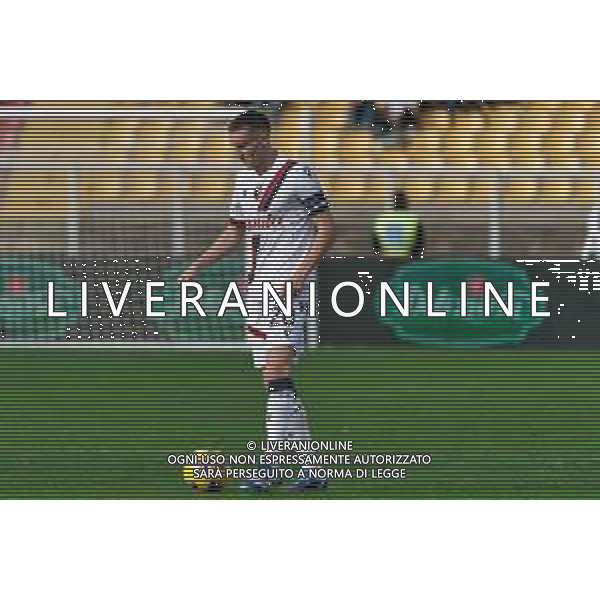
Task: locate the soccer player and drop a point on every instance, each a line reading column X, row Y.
column 282, row 215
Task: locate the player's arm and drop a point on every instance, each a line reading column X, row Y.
column 226, row 242
column 322, row 241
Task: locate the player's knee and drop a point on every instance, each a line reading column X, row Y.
column 269, row 375
column 278, row 363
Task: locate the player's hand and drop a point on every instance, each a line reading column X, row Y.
column 242, row 285
column 188, row 275
column 297, row 282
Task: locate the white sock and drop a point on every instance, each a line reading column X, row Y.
column 286, row 415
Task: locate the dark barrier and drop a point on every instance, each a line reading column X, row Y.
column 24, row 300
column 573, row 302
column 134, row 324
column 574, row 307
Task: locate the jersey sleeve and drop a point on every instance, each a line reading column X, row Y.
column 309, row 192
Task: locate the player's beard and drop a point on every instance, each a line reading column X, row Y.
column 256, row 160
column 252, row 159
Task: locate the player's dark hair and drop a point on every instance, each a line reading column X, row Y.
column 251, row 119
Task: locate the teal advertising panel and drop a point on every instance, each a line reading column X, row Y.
column 473, row 329
column 24, row 299
column 442, row 280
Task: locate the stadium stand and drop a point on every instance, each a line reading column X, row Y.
column 427, row 140
column 455, row 165
column 493, row 145
column 459, row 142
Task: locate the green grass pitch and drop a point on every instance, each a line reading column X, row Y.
column 87, row 424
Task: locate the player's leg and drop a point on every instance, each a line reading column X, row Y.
column 286, row 414
column 272, row 366
column 277, row 363
column 274, row 351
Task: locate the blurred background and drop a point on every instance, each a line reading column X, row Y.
column 486, row 178
column 420, row 190
column 132, row 190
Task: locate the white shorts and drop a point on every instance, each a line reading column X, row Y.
column 263, row 334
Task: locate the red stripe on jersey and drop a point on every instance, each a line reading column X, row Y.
column 256, row 332
column 255, row 243
column 274, row 185
column 238, row 223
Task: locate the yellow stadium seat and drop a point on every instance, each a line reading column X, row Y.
column 460, row 141
column 140, row 185
column 200, row 104
column 43, row 138
column 187, row 139
column 216, row 152
column 152, row 141
column 392, row 158
column 452, row 191
column 348, row 189
column 587, row 144
column 493, row 144
column 560, row 144
column 104, row 186
column 520, row 191
column 330, row 119
column 119, row 139
column 211, row 192
column 484, row 190
column 292, row 134
column 90, row 140
column 356, row 146
column 35, row 196
column 206, row 198
column 556, row 189
column 119, row 146
column 574, row 108
column 545, row 109
column 426, row 142
column 586, row 192
column 88, row 105
column 527, row 143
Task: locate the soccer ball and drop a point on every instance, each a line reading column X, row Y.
column 209, row 483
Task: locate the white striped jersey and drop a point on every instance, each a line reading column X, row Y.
column 278, row 229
